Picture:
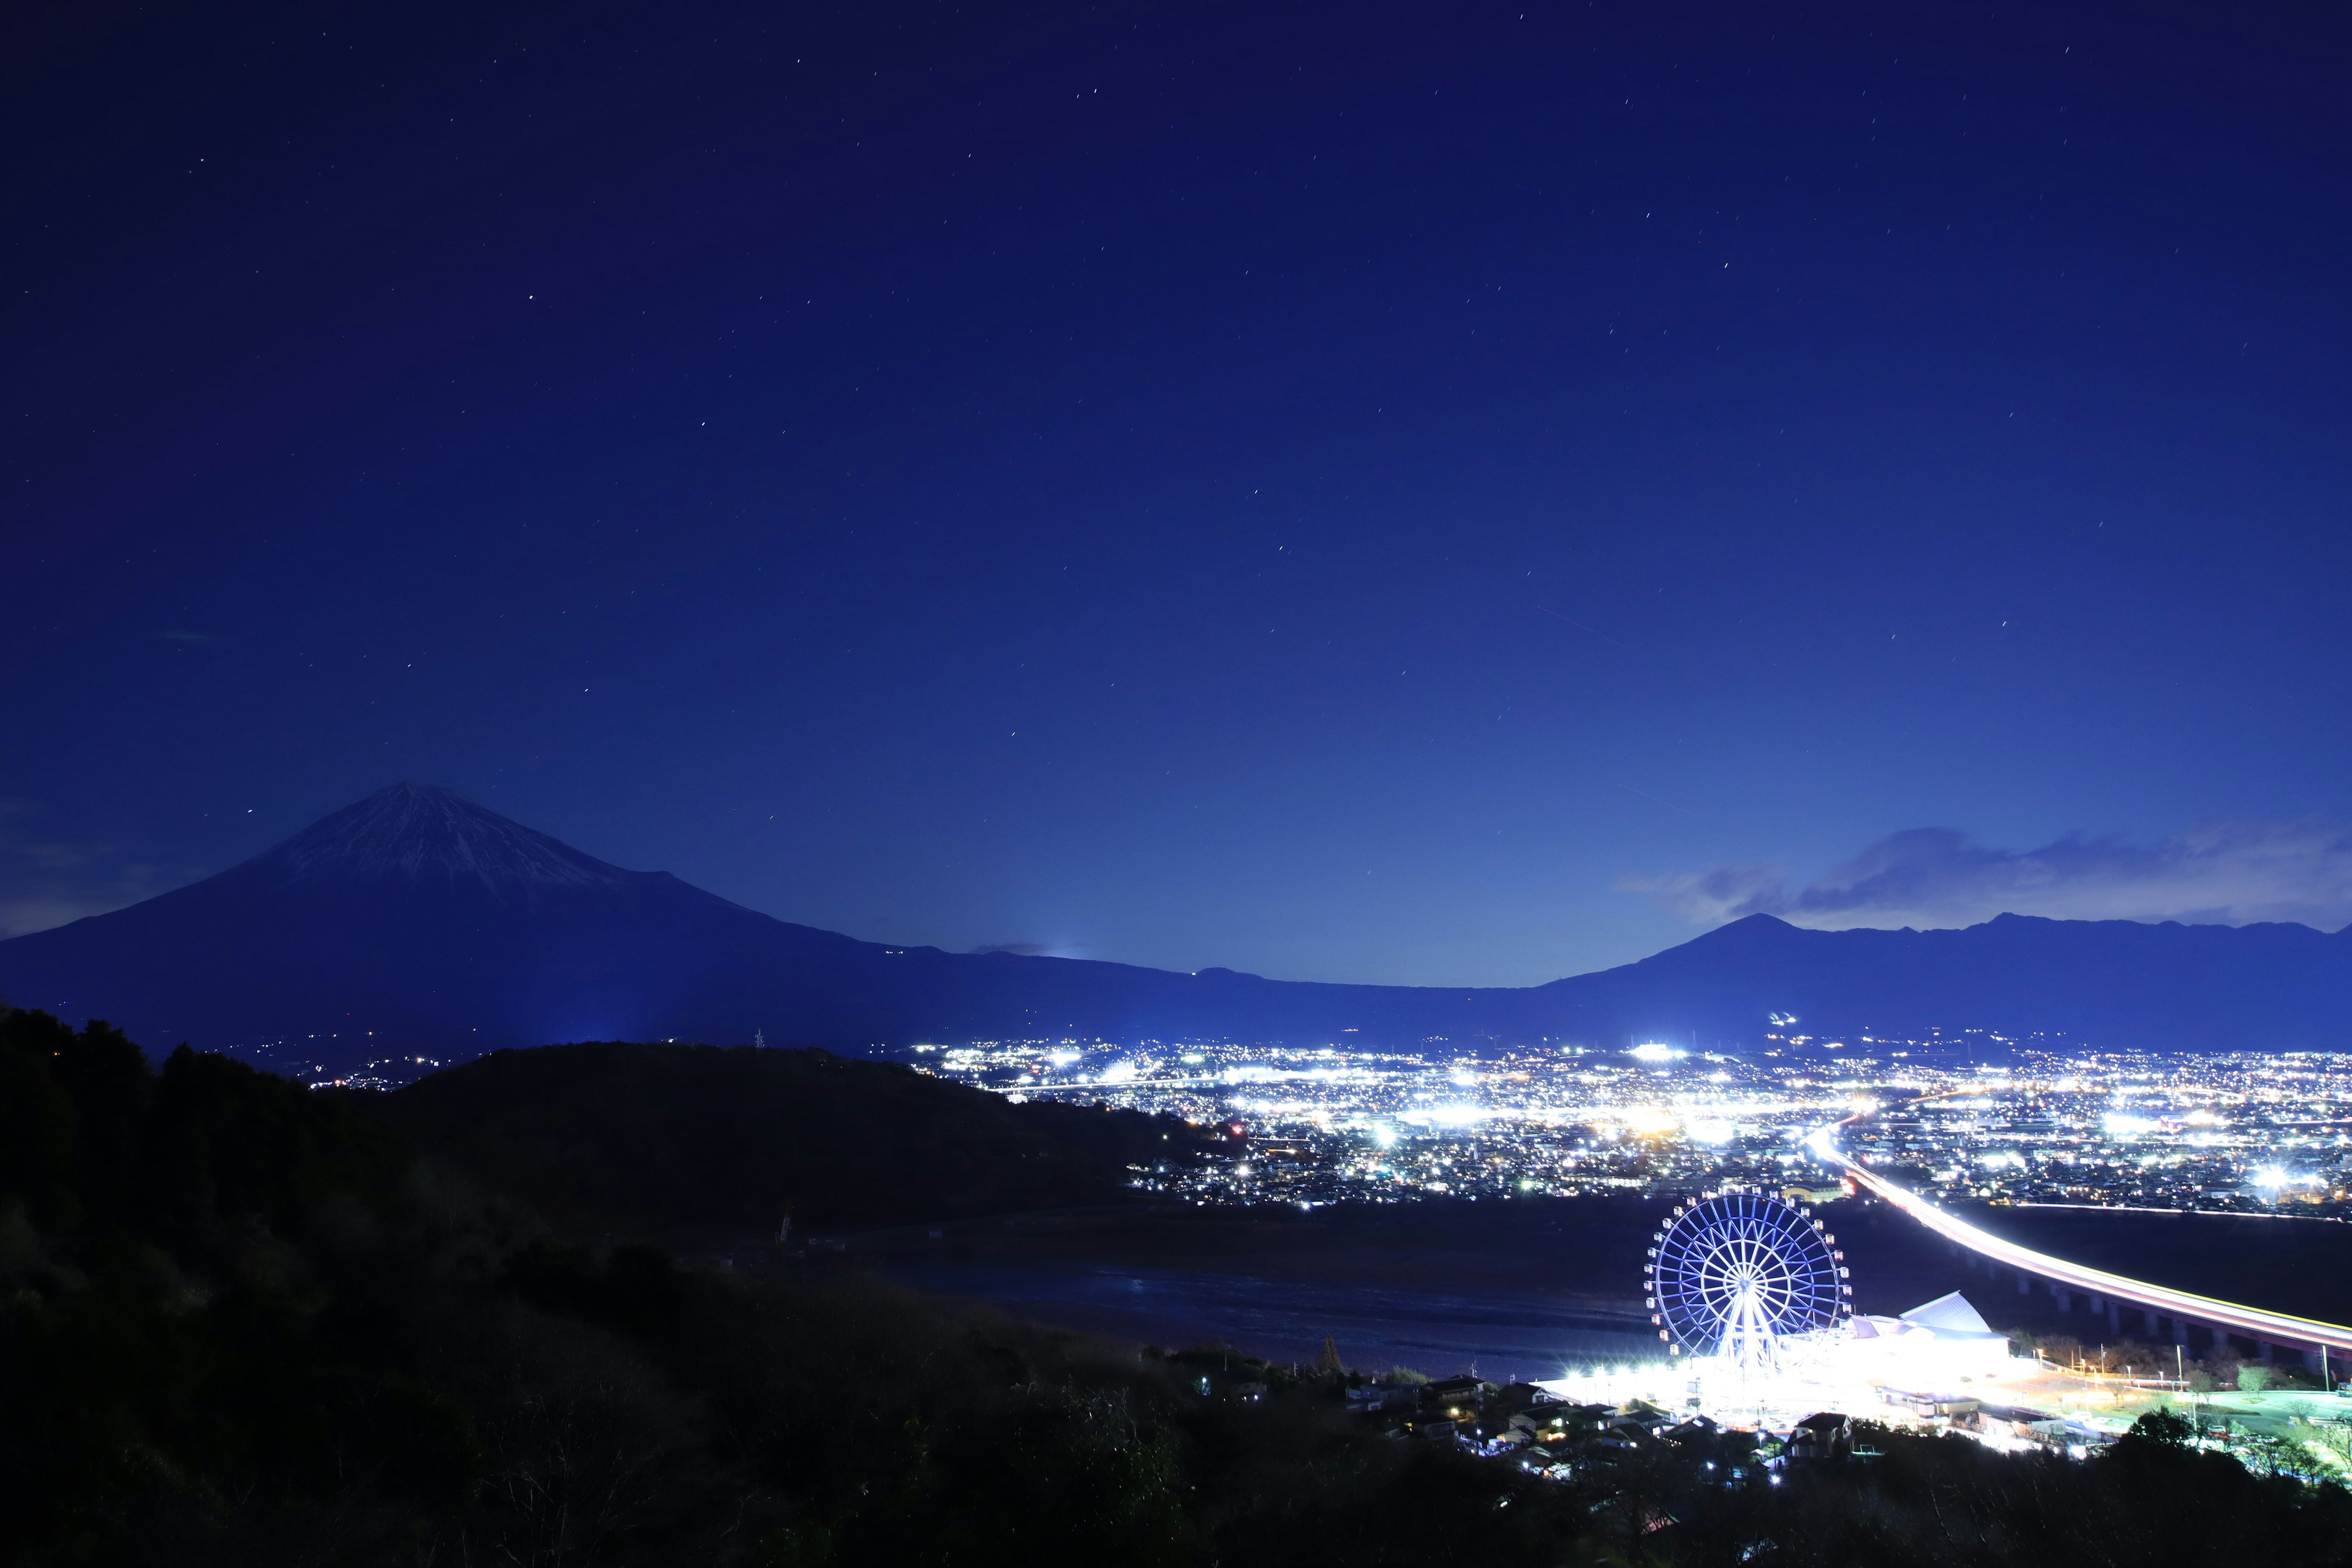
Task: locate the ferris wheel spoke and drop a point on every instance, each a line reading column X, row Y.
column 1737, row 1272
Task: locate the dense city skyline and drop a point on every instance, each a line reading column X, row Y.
column 1455, row 498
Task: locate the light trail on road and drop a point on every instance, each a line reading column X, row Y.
column 2182, row 1305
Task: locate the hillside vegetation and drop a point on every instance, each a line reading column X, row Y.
column 693, row 1143
column 241, row 1323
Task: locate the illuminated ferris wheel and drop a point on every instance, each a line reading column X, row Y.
column 1735, row 1273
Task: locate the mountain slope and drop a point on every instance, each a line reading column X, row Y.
column 416, row 920
column 2117, row 983
column 687, row 1144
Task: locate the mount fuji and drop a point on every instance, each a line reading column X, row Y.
column 418, row 922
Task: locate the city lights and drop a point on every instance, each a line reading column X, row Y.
column 2004, row 1120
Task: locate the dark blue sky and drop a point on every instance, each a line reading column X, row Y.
column 1368, row 492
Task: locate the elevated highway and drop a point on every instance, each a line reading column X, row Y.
column 2161, row 1306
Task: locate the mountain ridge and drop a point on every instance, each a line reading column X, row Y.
column 418, row 920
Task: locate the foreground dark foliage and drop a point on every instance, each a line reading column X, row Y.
column 240, row 1323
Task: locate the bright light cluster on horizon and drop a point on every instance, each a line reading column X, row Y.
column 1327, row 1123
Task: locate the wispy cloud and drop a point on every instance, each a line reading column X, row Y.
column 46, row 881
column 2226, row 873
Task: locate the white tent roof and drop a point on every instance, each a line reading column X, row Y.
column 1951, row 1314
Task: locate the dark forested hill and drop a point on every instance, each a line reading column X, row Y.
column 686, row 1143
column 242, row 1324
column 416, row 920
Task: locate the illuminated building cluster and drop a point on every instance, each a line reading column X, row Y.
column 2218, row 1130
column 1324, row 1123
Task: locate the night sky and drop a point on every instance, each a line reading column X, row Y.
column 1408, row 493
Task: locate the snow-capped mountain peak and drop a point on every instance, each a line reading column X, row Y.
column 424, row 834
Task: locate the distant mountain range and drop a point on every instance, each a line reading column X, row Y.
column 417, row 921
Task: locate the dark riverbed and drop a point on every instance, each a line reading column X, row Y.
column 1532, row 1286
